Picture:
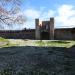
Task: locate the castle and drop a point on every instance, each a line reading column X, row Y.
column 43, row 31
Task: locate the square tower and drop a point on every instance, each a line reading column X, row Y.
column 37, row 30
column 51, row 28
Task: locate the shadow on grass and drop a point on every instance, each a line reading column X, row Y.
column 30, row 60
column 61, row 42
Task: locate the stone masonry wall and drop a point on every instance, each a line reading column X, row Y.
column 64, row 34
column 59, row 34
column 17, row 34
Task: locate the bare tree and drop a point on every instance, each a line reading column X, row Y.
column 10, row 17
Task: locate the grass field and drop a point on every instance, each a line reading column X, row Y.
column 40, row 43
column 6, row 43
column 57, row 43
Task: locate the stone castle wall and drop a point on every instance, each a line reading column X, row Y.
column 18, row 34
column 64, row 34
column 59, row 34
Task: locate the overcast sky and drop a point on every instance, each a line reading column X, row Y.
column 62, row 10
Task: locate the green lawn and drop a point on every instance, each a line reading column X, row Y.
column 5, row 43
column 3, row 40
column 63, row 43
column 40, row 43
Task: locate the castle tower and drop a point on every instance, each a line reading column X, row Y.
column 37, row 30
column 52, row 28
